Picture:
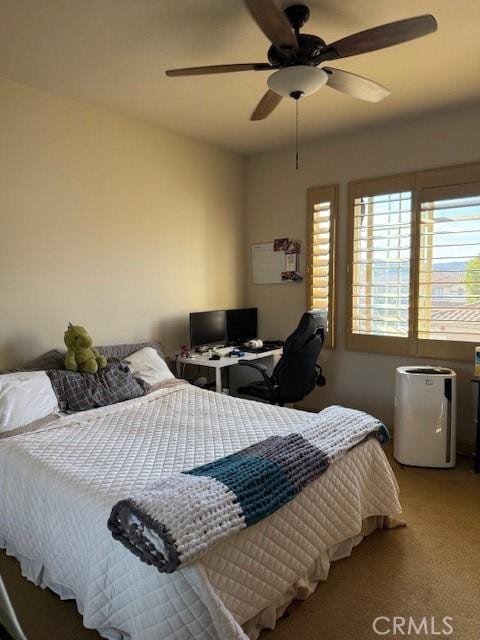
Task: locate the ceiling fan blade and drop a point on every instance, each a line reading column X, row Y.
column 355, row 86
column 380, row 37
column 218, row 68
column 266, row 105
column 273, row 23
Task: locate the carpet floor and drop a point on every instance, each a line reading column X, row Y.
column 431, row 568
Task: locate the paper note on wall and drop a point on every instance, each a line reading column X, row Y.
column 291, row 262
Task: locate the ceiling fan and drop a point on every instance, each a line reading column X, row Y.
column 295, row 57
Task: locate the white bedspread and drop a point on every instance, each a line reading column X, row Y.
column 59, row 484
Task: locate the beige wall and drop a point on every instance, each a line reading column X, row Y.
column 112, row 223
column 276, row 207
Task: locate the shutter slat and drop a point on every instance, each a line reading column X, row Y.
column 466, row 336
column 444, row 220
column 381, row 250
column 426, row 243
column 383, row 284
column 381, row 320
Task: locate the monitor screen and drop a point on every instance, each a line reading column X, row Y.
column 207, row 327
column 241, row 324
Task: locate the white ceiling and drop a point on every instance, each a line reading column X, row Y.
column 113, row 53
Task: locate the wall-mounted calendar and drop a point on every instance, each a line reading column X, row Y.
column 275, row 262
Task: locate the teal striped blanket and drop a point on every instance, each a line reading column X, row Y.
column 179, row 518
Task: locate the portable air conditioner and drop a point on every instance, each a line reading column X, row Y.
column 425, row 417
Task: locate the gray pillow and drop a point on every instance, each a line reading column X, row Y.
column 121, row 351
column 53, row 359
column 83, row 391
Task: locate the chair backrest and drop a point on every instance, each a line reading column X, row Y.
column 295, row 373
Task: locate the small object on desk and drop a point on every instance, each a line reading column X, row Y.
column 185, row 353
column 203, row 349
column 476, row 380
column 235, row 353
column 254, row 344
column 215, row 356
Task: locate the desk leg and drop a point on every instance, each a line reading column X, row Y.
column 477, row 440
column 218, row 380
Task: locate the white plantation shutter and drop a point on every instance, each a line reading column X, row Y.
column 322, row 203
column 381, row 264
column 321, row 255
column 449, row 264
column 415, row 263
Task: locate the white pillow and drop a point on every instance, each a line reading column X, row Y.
column 147, row 365
column 24, row 397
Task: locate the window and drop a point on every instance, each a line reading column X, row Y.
column 415, row 264
column 322, row 211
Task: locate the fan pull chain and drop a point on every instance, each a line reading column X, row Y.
column 296, row 135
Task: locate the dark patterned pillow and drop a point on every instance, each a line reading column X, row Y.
column 82, row 391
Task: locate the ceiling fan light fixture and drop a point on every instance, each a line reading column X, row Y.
column 297, row 79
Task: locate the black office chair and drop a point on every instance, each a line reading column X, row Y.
column 297, row 372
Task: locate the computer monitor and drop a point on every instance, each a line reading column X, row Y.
column 208, row 327
column 241, row 324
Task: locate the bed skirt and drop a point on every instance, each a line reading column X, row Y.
column 301, row 589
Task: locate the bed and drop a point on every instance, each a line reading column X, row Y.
column 59, row 483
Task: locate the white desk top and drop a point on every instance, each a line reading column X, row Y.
column 203, row 359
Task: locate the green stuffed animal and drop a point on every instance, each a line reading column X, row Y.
column 81, row 356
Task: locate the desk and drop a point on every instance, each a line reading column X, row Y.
column 476, row 380
column 202, row 360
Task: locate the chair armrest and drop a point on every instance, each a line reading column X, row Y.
column 261, row 368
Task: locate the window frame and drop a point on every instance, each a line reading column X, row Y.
column 324, row 193
column 445, row 180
